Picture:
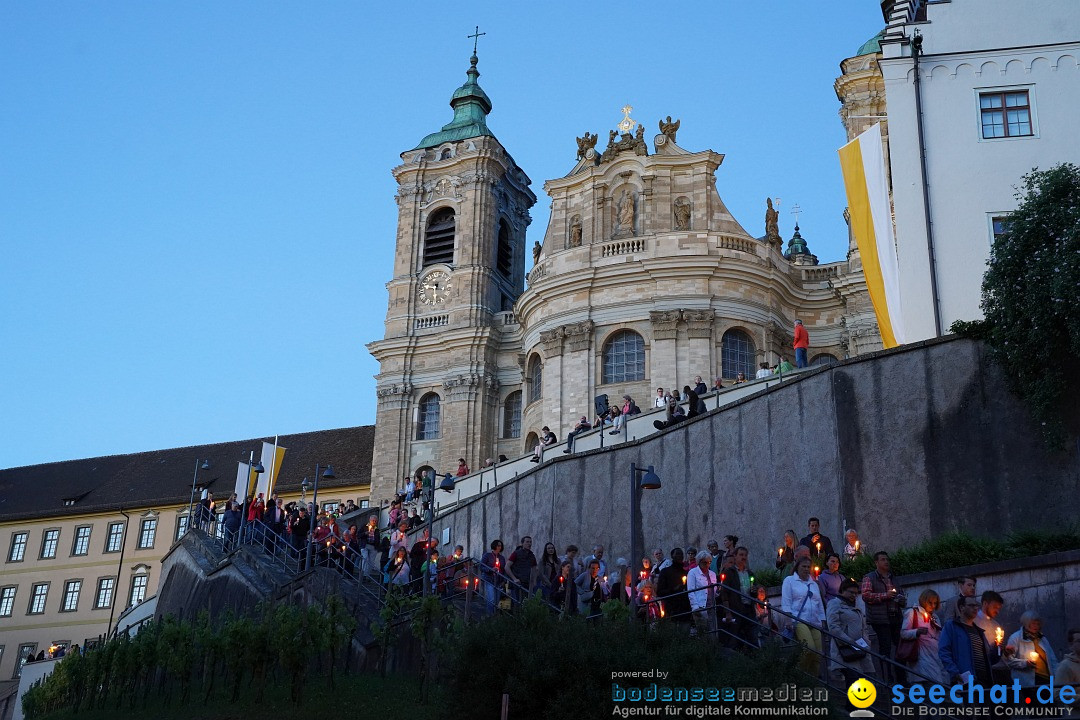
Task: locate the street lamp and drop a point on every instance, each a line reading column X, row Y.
column 648, row 481
column 199, row 465
column 328, row 473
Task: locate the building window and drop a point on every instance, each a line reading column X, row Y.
column 26, row 651
column 439, row 238
column 105, row 588
column 1005, row 114
column 823, row 359
column 18, row 547
column 536, row 379
column 181, row 526
column 427, row 418
column 70, row 603
column 999, row 225
column 115, row 540
column 138, row 589
column 7, row 600
column 147, row 531
column 219, row 527
column 512, row 415
column 81, row 545
column 38, row 595
column 736, row 354
column 49, row 541
column 365, row 504
column 624, row 358
column 504, row 258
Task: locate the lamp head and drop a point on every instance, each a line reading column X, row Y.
column 205, row 465
column 328, row 474
column 650, row 480
column 258, row 467
column 305, row 484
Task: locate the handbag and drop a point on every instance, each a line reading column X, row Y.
column 907, row 651
column 788, row 633
column 849, row 652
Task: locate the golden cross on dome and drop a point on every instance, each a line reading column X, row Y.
column 476, row 38
column 627, row 124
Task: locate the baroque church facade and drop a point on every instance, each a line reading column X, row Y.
column 644, row 279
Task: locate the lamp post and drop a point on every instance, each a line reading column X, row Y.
column 648, row 481
column 258, row 469
column 328, row 473
column 199, row 465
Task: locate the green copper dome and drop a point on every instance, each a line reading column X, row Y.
column 796, row 245
column 471, row 106
column 871, row 46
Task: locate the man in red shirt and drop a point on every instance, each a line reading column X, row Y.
column 802, row 342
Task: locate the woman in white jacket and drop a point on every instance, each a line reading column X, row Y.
column 801, row 598
column 1028, row 652
column 921, row 622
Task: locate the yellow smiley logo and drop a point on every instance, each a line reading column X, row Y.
column 862, row 694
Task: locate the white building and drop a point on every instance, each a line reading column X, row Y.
column 999, row 92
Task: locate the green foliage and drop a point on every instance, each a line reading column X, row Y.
column 555, row 667
column 769, row 577
column 167, row 659
column 1030, row 297
column 956, row 550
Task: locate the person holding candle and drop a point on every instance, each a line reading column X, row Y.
column 786, row 555
column 701, row 587
column 492, row 572
column 1029, row 653
column 921, row 624
column 577, row 566
column 852, row 546
column 885, row 602
column 564, row 590
column 670, row 587
column 737, row 596
column 819, row 544
column 992, row 603
column 590, row 590
column 801, row 600
column 847, row 623
column 963, row 648
column 397, row 571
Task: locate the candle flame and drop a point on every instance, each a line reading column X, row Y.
column 856, row 546
column 999, row 635
column 1033, row 656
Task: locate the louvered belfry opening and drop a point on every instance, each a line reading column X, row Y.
column 439, row 238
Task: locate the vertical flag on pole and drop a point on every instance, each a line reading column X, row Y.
column 271, row 461
column 863, row 163
column 243, row 480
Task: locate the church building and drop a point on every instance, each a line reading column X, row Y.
column 644, row 279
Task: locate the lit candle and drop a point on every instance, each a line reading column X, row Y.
column 856, row 546
column 818, row 547
column 999, row 635
column 683, row 579
column 1033, row 656
column 779, row 552
column 817, row 571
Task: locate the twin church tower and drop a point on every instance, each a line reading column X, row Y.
column 643, row 279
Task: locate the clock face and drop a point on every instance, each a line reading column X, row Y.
column 435, row 288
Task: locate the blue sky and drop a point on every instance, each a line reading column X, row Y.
column 196, row 206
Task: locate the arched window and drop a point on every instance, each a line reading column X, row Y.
column 736, row 354
column 427, row 418
column 536, row 379
column 531, row 442
column 624, row 358
column 512, row 415
column 439, row 238
column 504, row 260
column 446, row 154
column 823, row 359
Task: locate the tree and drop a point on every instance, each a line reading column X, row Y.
column 1031, row 296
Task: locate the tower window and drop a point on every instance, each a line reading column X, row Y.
column 512, row 415
column 504, row 261
column 536, row 377
column 736, row 354
column 439, row 238
column 624, row 358
column 427, row 418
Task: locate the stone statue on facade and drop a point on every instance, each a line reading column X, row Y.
column 682, row 214
column 772, row 222
column 625, row 213
column 575, row 235
column 536, row 252
column 669, row 128
column 585, row 144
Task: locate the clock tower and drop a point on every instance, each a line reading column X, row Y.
column 463, row 208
